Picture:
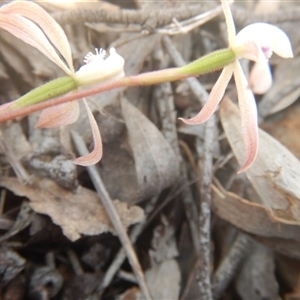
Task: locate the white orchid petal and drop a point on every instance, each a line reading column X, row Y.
column 214, row 98
column 51, row 28
column 260, row 79
column 95, row 156
column 248, row 116
column 229, row 22
column 269, row 37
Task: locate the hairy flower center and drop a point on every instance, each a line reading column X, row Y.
column 99, row 56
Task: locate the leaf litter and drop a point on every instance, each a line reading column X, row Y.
column 57, row 240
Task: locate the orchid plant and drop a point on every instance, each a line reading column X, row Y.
column 255, row 42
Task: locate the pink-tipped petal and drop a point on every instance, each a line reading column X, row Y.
column 59, row 115
column 269, row 37
column 248, row 116
column 214, row 98
column 260, row 79
column 229, row 22
column 31, row 34
column 51, row 28
column 95, row 156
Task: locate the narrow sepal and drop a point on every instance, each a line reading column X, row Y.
column 248, row 110
column 59, row 115
column 95, row 156
column 50, row 27
column 31, row 34
column 214, row 98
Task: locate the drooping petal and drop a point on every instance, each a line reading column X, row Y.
column 260, row 79
column 95, row 156
column 98, row 70
column 229, row 22
column 31, row 34
column 248, row 116
column 269, row 37
column 214, row 98
column 51, row 28
column 59, row 115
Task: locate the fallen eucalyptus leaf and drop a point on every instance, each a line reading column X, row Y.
column 76, row 213
column 256, row 280
column 274, row 174
column 155, row 161
column 252, row 217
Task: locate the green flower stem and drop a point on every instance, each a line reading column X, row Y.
column 58, row 87
column 211, row 62
column 208, row 63
column 52, row 89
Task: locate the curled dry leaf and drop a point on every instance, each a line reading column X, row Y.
column 155, row 161
column 77, row 212
column 275, row 173
column 252, row 217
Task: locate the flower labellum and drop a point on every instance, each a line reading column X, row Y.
column 97, row 69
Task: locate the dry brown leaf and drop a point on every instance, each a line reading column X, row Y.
column 155, row 161
column 276, row 233
column 15, row 137
column 163, row 244
column 76, row 213
column 256, row 280
column 275, row 173
column 252, row 217
column 284, row 127
column 163, row 281
column 285, row 89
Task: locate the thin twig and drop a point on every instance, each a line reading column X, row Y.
column 167, row 114
column 148, row 19
column 114, row 217
column 203, row 274
column 121, row 255
column 227, row 269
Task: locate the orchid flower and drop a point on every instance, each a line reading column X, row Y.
column 255, row 42
column 21, row 19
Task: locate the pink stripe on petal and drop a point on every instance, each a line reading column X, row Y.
column 248, row 116
column 59, row 115
column 31, row 34
column 51, row 28
column 95, row 156
column 214, row 98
